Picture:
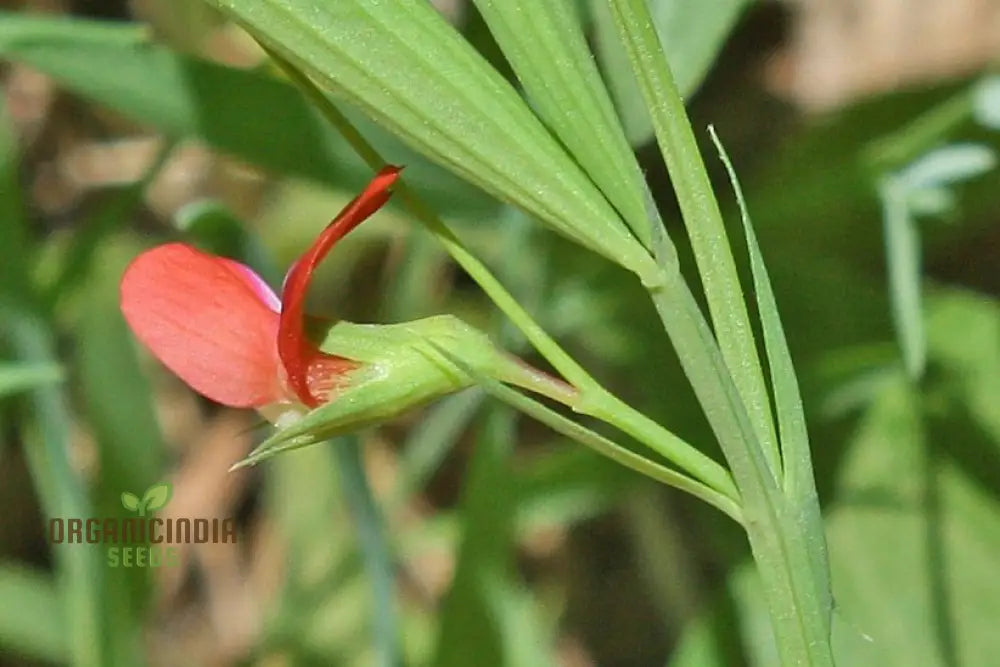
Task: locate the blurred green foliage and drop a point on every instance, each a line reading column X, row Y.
column 906, row 469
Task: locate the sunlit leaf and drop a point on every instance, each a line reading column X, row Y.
column 428, row 86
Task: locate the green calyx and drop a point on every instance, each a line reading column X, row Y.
column 401, row 367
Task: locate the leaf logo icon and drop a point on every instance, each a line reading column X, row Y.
column 155, row 497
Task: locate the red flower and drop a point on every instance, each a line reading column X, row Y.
column 219, row 327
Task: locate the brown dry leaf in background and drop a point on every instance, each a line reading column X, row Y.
column 841, row 50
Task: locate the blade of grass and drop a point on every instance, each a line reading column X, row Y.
column 798, row 479
column 13, row 239
column 117, row 402
column 378, row 561
column 902, row 247
column 702, row 217
column 428, row 86
column 545, row 44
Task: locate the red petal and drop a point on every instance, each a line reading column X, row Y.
column 301, row 360
column 209, row 320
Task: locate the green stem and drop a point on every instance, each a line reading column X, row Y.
column 602, row 445
column 601, row 404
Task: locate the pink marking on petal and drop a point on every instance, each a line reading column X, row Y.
column 304, row 365
column 208, row 320
column 256, row 283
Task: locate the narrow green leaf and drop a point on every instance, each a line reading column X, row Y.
column 116, row 394
column 903, row 260
column 371, row 536
column 32, row 621
column 702, row 216
column 410, row 71
column 545, row 44
column 692, row 34
column 798, row 479
column 17, row 28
